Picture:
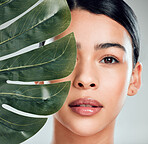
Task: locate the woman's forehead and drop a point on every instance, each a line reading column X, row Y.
column 84, row 21
column 95, row 29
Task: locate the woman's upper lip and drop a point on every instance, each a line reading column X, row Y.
column 85, row 101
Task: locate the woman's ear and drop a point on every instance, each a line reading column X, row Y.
column 135, row 81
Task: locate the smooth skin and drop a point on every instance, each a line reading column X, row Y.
column 104, row 68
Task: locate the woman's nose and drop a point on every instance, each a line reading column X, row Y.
column 85, row 77
column 84, row 85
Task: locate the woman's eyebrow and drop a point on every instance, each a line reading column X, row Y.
column 108, row 45
column 78, row 45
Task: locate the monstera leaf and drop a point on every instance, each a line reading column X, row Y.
column 53, row 61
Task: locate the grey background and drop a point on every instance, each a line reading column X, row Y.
column 131, row 126
column 132, row 122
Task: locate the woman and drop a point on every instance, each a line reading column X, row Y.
column 107, row 70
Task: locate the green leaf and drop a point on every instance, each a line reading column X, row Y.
column 9, row 9
column 47, row 20
column 18, row 128
column 44, row 100
column 53, row 61
column 40, row 100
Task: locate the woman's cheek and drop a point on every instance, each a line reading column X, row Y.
column 116, row 89
column 57, row 81
column 68, row 78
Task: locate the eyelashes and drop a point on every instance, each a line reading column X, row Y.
column 109, row 60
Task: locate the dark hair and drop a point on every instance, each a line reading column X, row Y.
column 119, row 11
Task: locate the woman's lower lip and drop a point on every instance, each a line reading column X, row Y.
column 86, row 111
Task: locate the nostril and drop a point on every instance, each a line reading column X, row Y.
column 80, row 84
column 92, row 85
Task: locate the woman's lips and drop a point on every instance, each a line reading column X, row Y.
column 85, row 106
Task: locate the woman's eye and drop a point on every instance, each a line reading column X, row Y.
column 109, row 60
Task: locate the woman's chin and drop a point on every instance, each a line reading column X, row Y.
column 85, row 129
column 83, row 126
column 84, row 132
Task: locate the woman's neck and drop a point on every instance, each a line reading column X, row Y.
column 62, row 135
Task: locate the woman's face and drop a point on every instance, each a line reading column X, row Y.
column 100, row 80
